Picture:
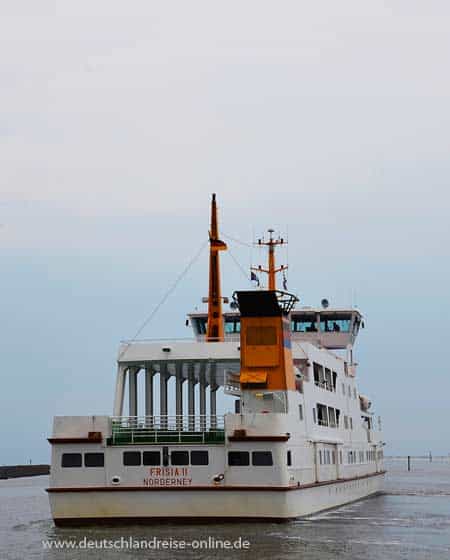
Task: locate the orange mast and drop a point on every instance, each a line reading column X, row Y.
column 271, row 270
column 215, row 329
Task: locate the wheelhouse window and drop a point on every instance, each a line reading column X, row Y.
column 151, row 458
column 94, row 459
column 200, row 324
column 132, row 458
column 199, row 458
column 238, row 458
column 304, row 323
column 262, row 458
column 69, row 460
column 179, row 458
column 232, row 325
column 300, row 411
column 335, row 322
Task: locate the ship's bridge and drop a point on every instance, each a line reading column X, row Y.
column 335, row 329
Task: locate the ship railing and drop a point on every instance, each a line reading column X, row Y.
column 165, row 428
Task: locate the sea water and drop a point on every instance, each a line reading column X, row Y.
column 410, row 520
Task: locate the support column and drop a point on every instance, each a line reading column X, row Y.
column 179, row 394
column 132, row 391
column 212, row 396
column 163, row 377
column 149, row 409
column 203, row 385
column 120, row 390
column 191, row 396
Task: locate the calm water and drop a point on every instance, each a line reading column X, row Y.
column 410, row 521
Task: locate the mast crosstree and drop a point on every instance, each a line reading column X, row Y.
column 271, row 270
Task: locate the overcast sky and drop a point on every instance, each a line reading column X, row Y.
column 329, row 121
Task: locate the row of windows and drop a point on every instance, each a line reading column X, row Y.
column 348, row 422
column 348, row 391
column 324, row 377
column 326, row 415
column 177, row 458
column 242, row 458
column 153, row 458
column 303, row 324
column 328, row 457
column 361, row 457
column 328, row 323
column 136, row 458
column 76, row 460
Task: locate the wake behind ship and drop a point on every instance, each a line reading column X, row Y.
column 300, row 439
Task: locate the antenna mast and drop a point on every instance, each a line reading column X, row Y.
column 215, row 329
column 271, row 271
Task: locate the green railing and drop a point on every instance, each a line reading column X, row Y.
column 154, row 430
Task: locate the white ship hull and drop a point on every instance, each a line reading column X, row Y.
column 136, row 504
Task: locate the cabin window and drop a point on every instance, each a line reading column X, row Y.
column 199, row 458
column 300, row 411
column 332, row 417
column 304, row 324
column 340, row 457
column 315, row 416
column 349, row 391
column 132, row 458
column 261, row 336
column 179, row 458
column 333, row 456
column 71, row 460
column 322, row 415
column 319, row 378
column 343, row 389
column 351, row 422
column 238, row 458
column 320, row 456
column 334, row 375
column 354, row 392
column 289, row 458
column 337, row 322
column 346, row 422
column 328, row 380
column 151, row 458
column 262, row 458
column 94, row 459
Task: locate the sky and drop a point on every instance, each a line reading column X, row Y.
column 328, row 121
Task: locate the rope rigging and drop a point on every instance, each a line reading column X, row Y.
column 165, row 297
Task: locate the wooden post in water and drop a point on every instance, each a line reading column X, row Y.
column 409, row 463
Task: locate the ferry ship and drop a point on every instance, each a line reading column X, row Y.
column 300, row 439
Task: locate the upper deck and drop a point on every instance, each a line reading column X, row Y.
column 334, row 329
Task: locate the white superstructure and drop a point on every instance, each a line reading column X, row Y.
column 301, row 437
